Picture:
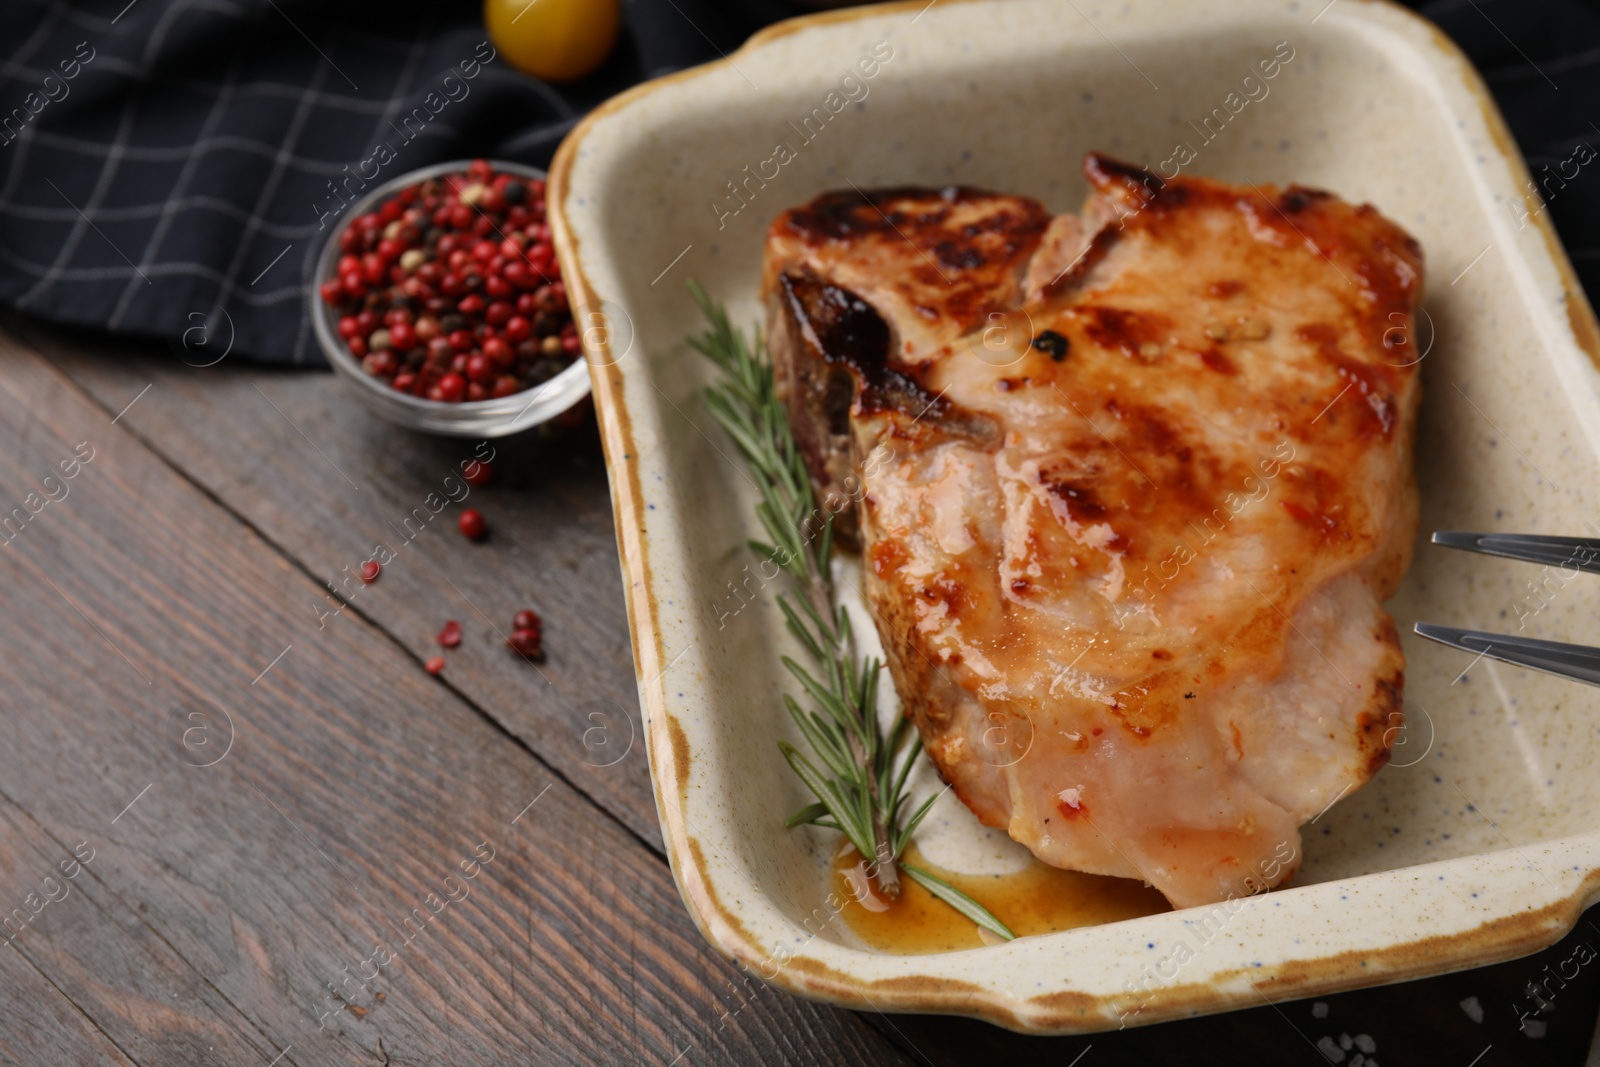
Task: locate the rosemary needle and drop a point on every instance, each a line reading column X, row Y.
column 856, row 769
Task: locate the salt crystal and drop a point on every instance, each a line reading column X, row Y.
column 1345, row 1042
column 1319, row 1010
column 1473, row 1009
column 1535, row 1028
column 1365, row 1043
column 1330, row 1050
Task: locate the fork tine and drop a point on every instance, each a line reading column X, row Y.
column 1580, row 553
column 1577, row 662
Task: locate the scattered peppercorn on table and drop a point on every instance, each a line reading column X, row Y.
column 315, row 819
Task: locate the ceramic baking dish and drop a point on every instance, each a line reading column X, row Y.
column 1482, row 841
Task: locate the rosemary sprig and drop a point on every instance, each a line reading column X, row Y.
column 861, row 784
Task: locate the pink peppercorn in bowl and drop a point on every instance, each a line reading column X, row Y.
column 390, row 297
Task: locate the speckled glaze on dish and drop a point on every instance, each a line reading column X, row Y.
column 1481, row 842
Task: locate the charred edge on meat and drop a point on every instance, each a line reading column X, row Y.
column 834, row 357
column 857, row 213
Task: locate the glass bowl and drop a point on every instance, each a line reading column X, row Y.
column 495, row 417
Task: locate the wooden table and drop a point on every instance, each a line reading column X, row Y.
column 254, row 789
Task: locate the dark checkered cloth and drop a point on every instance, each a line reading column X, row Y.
column 1541, row 59
column 166, row 165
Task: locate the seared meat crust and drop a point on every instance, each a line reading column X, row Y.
column 1132, row 488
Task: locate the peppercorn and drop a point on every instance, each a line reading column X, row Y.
column 528, row 643
column 472, row 524
column 1051, row 344
column 451, row 290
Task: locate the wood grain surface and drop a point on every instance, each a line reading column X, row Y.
column 280, row 808
column 218, row 909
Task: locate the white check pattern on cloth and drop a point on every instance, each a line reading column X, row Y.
column 179, row 107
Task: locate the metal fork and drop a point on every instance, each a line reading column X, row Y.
column 1580, row 663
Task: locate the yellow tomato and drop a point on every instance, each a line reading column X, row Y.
column 556, row 40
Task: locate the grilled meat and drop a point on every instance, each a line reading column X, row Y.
column 1130, row 488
